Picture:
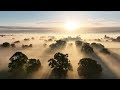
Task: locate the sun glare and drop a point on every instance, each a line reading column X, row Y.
column 71, row 25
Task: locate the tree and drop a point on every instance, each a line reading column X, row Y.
column 88, row 68
column 61, row 43
column 105, row 51
column 60, row 64
column 118, row 38
column 17, row 61
column 21, row 66
column 13, row 45
column 26, row 46
column 6, row 44
column 32, row 65
column 16, row 42
column 78, row 43
column 26, row 39
column 30, row 45
column 50, row 39
column 105, row 36
column 53, row 46
column 33, row 38
column 86, row 48
column 97, row 45
column 58, row 44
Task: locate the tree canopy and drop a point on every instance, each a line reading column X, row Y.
column 58, row 44
column 17, row 61
column 60, row 64
column 21, row 63
column 87, row 49
column 78, row 43
column 105, row 51
column 88, row 68
column 5, row 44
column 32, row 65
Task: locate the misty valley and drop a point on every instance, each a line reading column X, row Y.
column 59, row 56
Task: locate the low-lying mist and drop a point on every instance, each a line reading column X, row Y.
column 110, row 63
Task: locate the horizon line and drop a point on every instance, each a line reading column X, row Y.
column 37, row 27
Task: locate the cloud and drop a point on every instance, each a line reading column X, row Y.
column 49, row 22
column 101, row 22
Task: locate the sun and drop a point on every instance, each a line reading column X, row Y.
column 71, row 25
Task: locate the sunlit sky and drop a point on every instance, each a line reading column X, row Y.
column 58, row 18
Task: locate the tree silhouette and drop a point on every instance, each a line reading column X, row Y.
column 26, row 46
column 30, row 45
column 60, row 64
column 50, row 39
column 20, row 64
column 16, row 42
column 88, row 68
column 78, row 43
column 86, row 48
column 53, row 46
column 5, row 44
column 13, row 45
column 17, row 61
column 105, row 51
column 97, row 45
column 59, row 44
column 33, row 38
column 118, row 38
column 32, row 65
column 26, row 39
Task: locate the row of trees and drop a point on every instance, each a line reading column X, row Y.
column 60, row 65
column 6, row 44
column 26, row 46
column 20, row 63
column 58, row 44
column 117, row 39
column 100, row 47
column 84, row 47
column 69, row 38
column 88, row 48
